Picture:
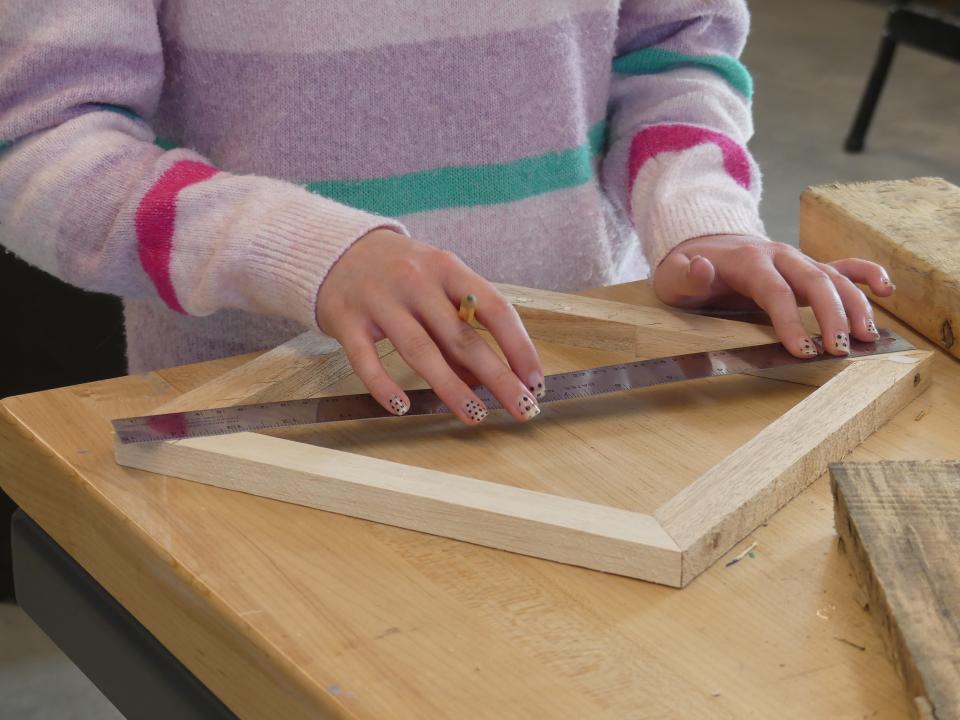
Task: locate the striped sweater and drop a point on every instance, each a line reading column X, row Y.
column 210, row 161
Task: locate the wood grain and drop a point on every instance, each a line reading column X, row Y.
column 500, row 516
column 642, row 332
column 650, row 329
column 731, row 499
column 299, row 368
column 911, row 227
column 900, row 526
column 587, row 449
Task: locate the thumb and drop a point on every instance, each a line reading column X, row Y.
column 683, row 280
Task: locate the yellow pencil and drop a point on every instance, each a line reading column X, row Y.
column 468, row 307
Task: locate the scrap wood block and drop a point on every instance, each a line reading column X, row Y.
column 911, row 227
column 899, row 523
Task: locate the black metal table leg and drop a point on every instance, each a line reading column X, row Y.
column 7, row 506
column 871, row 95
column 910, row 24
column 131, row 668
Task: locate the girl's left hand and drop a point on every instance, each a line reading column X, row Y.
column 739, row 270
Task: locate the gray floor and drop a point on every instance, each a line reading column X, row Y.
column 37, row 682
column 810, row 61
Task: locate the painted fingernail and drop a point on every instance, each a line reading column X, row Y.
column 475, row 411
column 399, row 405
column 886, row 281
column 528, row 407
column 535, row 385
column 807, row 347
column 872, row 328
column 842, row 342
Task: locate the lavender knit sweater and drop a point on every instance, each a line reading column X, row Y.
column 210, row 161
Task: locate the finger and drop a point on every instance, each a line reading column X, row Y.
column 859, row 312
column 767, row 287
column 866, row 273
column 463, row 373
column 816, row 286
column 465, row 346
column 685, row 281
column 420, row 352
column 362, row 354
column 496, row 314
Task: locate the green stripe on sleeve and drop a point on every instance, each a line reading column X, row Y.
column 597, row 137
column 464, row 186
column 650, row 61
column 471, row 185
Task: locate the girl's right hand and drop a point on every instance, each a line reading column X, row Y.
column 387, row 285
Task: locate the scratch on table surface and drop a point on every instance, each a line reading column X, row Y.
column 809, row 671
column 388, row 631
column 851, row 644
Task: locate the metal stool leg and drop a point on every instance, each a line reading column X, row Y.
column 871, row 95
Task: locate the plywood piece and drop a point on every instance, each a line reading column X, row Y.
column 707, row 518
column 899, row 524
column 539, row 524
column 652, row 329
column 308, row 363
column 911, row 227
column 628, row 450
column 299, row 368
column 642, row 332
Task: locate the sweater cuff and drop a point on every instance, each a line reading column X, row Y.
column 672, row 224
column 295, row 248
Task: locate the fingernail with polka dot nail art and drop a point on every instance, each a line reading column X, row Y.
column 807, row 347
column 475, row 410
column 842, row 342
column 528, row 407
column 535, row 385
column 872, row 328
column 399, row 405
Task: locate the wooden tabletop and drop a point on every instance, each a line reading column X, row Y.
column 284, row 611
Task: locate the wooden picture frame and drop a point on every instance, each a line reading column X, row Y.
column 671, row 545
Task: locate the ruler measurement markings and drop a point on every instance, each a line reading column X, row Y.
column 577, row 384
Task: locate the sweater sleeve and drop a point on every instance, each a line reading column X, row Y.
column 87, row 194
column 679, row 120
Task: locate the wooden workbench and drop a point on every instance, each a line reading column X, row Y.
column 284, row 611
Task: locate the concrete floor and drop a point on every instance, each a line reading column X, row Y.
column 810, row 61
column 37, row 682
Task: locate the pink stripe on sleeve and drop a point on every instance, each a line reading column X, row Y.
column 155, row 220
column 657, row 139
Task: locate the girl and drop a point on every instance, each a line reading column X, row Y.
column 237, row 171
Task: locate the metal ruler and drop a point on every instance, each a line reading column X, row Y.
column 563, row 386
